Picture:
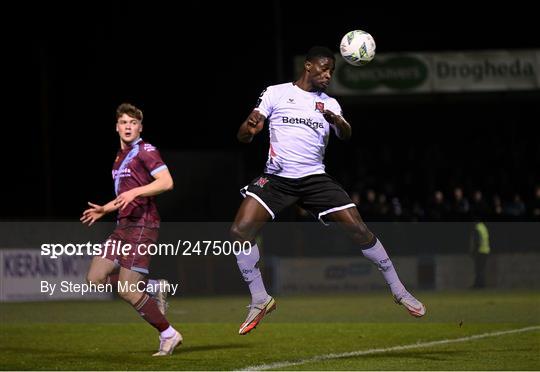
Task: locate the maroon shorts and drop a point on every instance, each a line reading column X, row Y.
column 127, row 247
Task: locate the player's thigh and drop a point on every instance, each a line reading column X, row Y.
column 350, row 220
column 252, row 210
column 323, row 196
column 265, row 197
column 99, row 269
column 349, row 216
column 272, row 193
column 130, row 276
column 139, row 239
column 250, row 218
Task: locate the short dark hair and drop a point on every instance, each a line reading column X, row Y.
column 130, row 110
column 319, row 52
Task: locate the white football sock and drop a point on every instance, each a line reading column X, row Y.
column 168, row 333
column 252, row 275
column 377, row 254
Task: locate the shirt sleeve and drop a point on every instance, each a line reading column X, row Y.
column 151, row 159
column 265, row 104
column 335, row 107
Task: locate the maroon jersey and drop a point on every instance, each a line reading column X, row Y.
column 135, row 166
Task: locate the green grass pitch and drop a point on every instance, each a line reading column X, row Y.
column 304, row 333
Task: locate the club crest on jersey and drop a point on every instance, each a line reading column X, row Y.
column 319, row 106
column 261, row 182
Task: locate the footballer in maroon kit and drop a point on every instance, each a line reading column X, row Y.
column 139, row 174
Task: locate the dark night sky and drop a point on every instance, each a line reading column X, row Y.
column 195, row 69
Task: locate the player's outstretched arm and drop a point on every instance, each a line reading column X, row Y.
column 95, row 212
column 343, row 128
column 162, row 182
column 250, row 127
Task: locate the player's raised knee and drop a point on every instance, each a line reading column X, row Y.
column 362, row 234
column 363, row 230
column 94, row 278
column 129, row 295
column 241, row 232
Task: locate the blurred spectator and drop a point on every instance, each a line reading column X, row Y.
column 516, row 207
column 368, row 208
column 382, row 208
column 460, row 205
column 479, row 207
column 397, row 210
column 497, row 206
column 438, row 208
column 355, row 197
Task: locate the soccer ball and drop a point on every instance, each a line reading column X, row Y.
column 357, row 47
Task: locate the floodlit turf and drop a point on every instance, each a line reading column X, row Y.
column 304, row 333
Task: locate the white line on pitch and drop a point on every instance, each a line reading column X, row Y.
column 319, row 358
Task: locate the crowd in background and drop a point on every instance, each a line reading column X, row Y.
column 455, row 205
column 451, row 205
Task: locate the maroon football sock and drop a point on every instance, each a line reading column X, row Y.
column 147, row 308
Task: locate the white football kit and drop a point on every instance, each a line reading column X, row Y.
column 298, row 131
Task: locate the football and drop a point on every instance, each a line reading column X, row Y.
column 357, row 47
